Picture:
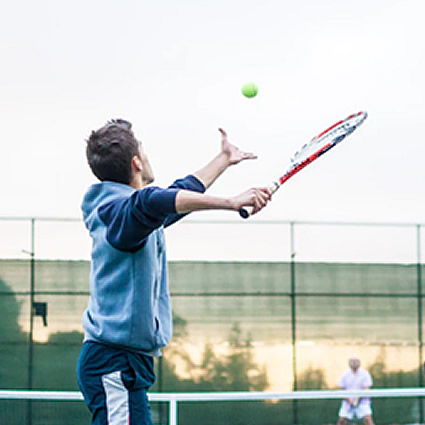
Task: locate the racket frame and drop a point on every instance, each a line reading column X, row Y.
column 297, row 166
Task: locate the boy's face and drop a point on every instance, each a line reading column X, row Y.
column 147, row 173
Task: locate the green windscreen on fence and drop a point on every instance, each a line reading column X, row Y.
column 251, row 326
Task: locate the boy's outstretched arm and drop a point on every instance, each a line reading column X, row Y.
column 188, row 201
column 229, row 155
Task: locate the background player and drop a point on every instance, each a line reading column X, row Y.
column 356, row 378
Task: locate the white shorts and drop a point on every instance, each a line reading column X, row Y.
column 360, row 411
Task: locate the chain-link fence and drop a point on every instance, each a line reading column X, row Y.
column 257, row 305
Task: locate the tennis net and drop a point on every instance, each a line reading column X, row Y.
column 390, row 406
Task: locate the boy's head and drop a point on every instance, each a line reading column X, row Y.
column 112, row 151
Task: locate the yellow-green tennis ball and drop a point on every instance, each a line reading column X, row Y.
column 250, row 90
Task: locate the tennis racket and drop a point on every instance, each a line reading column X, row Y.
column 317, row 146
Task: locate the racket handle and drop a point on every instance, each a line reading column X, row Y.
column 246, row 212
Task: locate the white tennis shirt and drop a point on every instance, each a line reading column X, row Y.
column 356, row 381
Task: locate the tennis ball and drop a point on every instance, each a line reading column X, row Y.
column 250, row 90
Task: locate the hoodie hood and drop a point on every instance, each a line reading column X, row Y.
column 100, row 194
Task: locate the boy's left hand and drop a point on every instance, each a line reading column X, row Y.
column 234, row 154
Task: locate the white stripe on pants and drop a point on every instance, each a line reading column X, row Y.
column 117, row 404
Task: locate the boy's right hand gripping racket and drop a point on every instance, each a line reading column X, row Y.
column 317, row 146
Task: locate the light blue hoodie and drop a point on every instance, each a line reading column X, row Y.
column 129, row 304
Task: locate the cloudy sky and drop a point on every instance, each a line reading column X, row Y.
column 175, row 69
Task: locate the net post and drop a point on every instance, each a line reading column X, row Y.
column 173, row 420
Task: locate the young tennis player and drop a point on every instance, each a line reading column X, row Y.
column 128, row 319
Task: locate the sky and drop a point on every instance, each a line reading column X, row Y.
column 175, row 69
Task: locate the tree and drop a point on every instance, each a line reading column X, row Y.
column 393, row 410
column 312, row 379
column 310, row 411
column 13, row 342
column 234, row 371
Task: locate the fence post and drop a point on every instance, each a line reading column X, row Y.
column 419, row 312
column 31, row 330
column 293, row 324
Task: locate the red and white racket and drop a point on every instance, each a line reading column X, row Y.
column 317, row 146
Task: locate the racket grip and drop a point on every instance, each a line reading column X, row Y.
column 246, row 212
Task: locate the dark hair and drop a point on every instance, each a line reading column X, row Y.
column 110, row 151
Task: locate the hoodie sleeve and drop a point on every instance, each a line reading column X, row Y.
column 188, row 183
column 130, row 220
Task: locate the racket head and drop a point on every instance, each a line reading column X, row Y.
column 317, row 146
column 329, row 137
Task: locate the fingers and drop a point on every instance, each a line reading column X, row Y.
column 248, row 155
column 252, row 201
column 266, row 192
column 261, row 196
column 223, row 133
column 224, row 142
column 234, row 154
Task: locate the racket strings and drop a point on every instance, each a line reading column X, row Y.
column 332, row 136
